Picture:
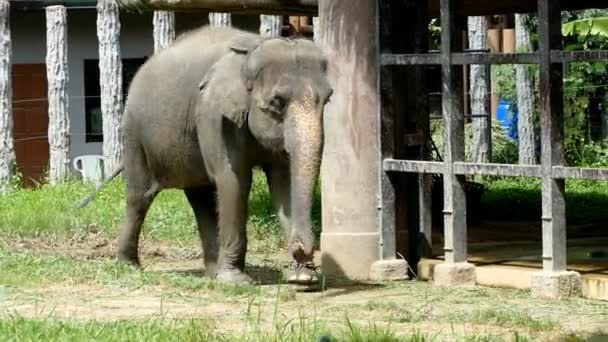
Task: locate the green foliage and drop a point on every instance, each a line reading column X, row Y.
column 504, row 150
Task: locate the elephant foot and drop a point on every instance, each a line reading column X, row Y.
column 234, row 276
column 302, row 274
column 129, row 259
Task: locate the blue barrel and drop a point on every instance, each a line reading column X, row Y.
column 506, row 118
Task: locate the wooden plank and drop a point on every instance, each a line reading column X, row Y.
column 413, row 166
column 491, row 169
column 551, row 93
column 562, row 172
column 455, row 245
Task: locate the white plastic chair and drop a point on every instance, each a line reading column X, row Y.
column 90, row 167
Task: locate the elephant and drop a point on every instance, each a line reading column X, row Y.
column 201, row 115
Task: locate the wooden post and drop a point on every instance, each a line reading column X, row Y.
column 164, row 29
column 351, row 169
column 554, row 281
column 7, row 145
column 271, row 25
column 220, row 19
column 455, row 270
column 58, row 77
column 315, row 28
column 110, row 72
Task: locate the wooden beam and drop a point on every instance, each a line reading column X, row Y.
column 415, row 166
column 220, row 19
column 7, row 144
column 110, row 78
column 268, row 7
column 57, row 76
column 552, row 136
column 491, row 169
column 563, row 172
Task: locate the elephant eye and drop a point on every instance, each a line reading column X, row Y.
column 277, row 104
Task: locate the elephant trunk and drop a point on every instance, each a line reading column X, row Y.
column 304, row 145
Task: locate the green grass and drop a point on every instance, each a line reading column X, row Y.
column 586, row 201
column 29, row 270
column 50, row 211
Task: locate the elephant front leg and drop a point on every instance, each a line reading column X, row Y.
column 233, row 195
column 279, row 185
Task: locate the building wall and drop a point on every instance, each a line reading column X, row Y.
column 29, row 46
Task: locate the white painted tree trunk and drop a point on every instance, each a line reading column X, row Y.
column 7, row 144
column 58, row 77
column 110, row 72
column 164, row 29
column 478, row 36
column 525, row 94
column 270, row 25
column 220, row 19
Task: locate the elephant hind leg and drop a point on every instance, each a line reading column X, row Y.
column 141, row 191
column 204, row 204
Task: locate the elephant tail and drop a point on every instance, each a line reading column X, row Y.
column 89, row 198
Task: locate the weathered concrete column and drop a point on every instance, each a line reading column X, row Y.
column 350, row 240
column 7, row 144
column 164, row 29
column 58, row 77
column 110, row 72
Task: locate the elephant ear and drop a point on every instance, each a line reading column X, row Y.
column 222, row 90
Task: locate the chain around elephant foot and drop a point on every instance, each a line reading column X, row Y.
column 302, row 273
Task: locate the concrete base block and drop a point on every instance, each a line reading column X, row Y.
column 458, row 274
column 389, row 270
column 556, row 285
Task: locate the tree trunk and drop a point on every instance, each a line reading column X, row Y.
column 164, row 29
column 270, row 25
column 525, row 94
column 7, row 146
column 110, row 73
column 315, row 29
column 220, row 19
column 57, row 76
column 479, row 92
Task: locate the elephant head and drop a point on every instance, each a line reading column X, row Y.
column 282, row 89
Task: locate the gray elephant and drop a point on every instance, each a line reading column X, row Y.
column 201, row 114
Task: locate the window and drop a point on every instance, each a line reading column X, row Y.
column 92, row 91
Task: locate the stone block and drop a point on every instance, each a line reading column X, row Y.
column 556, row 285
column 389, row 270
column 457, row 274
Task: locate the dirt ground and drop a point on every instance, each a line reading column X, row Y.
column 447, row 314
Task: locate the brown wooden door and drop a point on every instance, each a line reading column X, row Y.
column 31, row 120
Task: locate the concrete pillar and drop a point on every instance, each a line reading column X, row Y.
column 350, row 240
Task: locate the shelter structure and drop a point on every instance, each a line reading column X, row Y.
column 375, row 174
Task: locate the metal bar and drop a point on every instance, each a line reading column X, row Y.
column 494, row 58
column 488, row 109
column 492, row 169
column 551, row 93
column 413, row 166
column 268, row 7
column 558, row 56
column 562, row 172
column 455, row 245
